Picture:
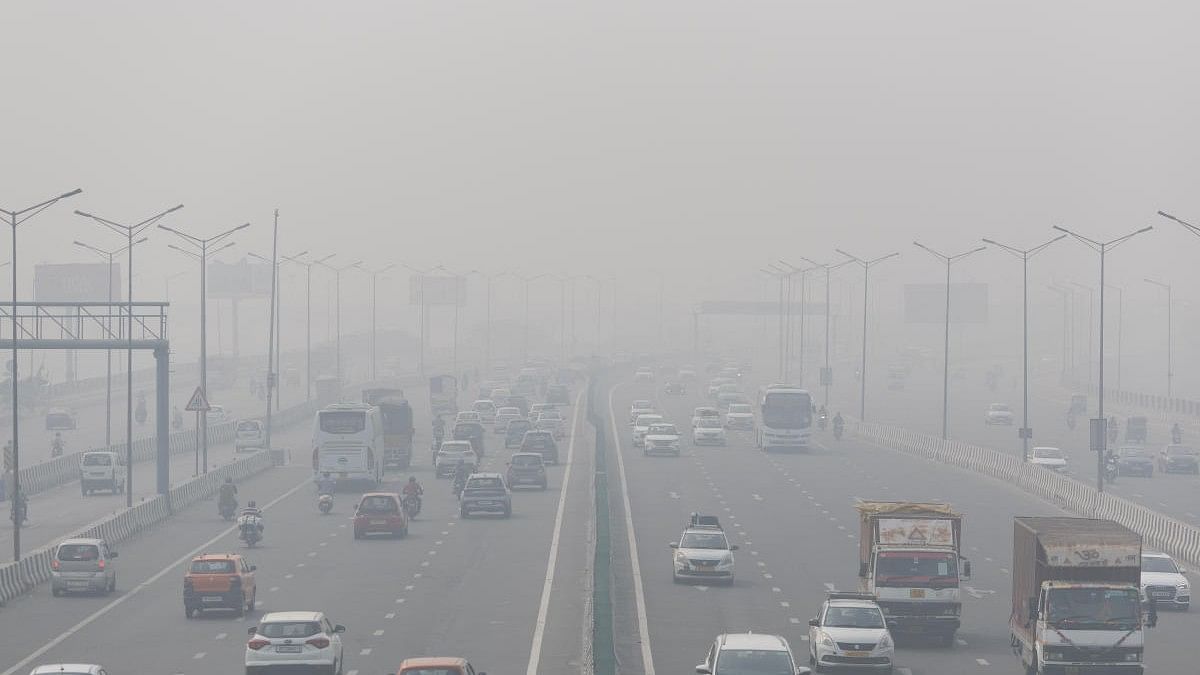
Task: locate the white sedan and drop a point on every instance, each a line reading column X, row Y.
column 1049, row 458
column 291, row 639
column 708, row 431
column 998, row 413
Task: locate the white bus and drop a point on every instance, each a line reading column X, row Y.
column 786, row 420
column 348, row 443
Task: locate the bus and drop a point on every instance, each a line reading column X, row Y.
column 786, row 420
column 396, row 415
column 348, row 443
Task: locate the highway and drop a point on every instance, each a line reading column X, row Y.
column 452, row 587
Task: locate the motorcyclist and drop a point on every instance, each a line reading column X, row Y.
column 253, row 511
column 412, row 487
column 57, row 445
column 228, row 493
column 838, row 423
column 461, row 471
column 325, row 484
column 1176, row 434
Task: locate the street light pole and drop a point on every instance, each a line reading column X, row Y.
column 866, row 264
column 374, row 335
column 949, row 260
column 130, row 231
column 15, row 218
column 1120, row 328
column 826, row 373
column 1101, row 247
column 1025, row 254
column 277, row 326
column 308, row 265
column 1170, row 342
column 337, row 285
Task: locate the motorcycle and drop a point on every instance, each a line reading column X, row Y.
column 822, row 420
column 250, row 530
column 227, row 507
column 57, row 448
column 1110, row 469
column 412, row 505
column 837, row 431
column 325, row 502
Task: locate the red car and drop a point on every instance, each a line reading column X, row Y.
column 380, row 513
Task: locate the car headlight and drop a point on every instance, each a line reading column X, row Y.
column 827, row 641
column 727, row 561
column 1054, row 655
column 885, row 642
column 1133, row 655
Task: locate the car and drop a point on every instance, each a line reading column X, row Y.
column 69, row 669
column 1135, row 460
column 541, row 442
column 519, row 402
column 485, row 492
column 1049, row 458
column 219, row 581
column 552, row 424
column 850, row 633
column 472, row 432
column 486, row 409
column 661, row 438
column 1137, row 429
column 60, row 419
column 730, row 387
column 998, row 413
column 732, row 372
column 640, row 407
column 305, row 641
column 514, row 433
column 1165, row 582
column 249, row 435
column 758, row 653
column 437, row 665
column 1178, row 459
column 526, row 468
column 643, row 375
column 708, row 431
column 536, row 410
column 728, row 398
column 715, row 384
column 703, row 552
column 380, row 513
column 558, row 394
column 503, row 417
column 702, row 412
column 675, row 389
column 740, row 416
column 687, row 374
column 83, row 565
column 217, row 414
column 642, row 425
column 101, row 470
column 450, row 455
column 468, row 416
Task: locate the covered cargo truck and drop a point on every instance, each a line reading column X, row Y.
column 909, row 559
column 397, row 419
column 1076, row 604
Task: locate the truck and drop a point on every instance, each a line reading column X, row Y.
column 909, row 558
column 1076, row 601
column 397, row 418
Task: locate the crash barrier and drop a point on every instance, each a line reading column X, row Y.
column 1158, row 531
column 20, row 577
column 599, row 657
column 1151, row 403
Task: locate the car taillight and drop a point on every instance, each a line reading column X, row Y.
column 257, row 643
column 54, row 564
column 318, row 642
column 235, row 582
column 100, row 564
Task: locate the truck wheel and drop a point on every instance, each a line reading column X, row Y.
column 187, row 611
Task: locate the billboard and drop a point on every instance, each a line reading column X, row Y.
column 241, row 279
column 76, row 282
column 926, row 303
column 437, row 290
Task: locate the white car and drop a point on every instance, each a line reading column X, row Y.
column 703, row 553
column 999, row 413
column 504, row 416
column 715, row 385
column 758, row 653
column 850, row 632
column 69, row 669
column 486, row 409
column 551, row 422
column 249, row 435
column 1164, row 581
column 661, row 439
column 739, row 416
column 1049, row 458
column 643, row 375
column 687, row 374
column 468, row 416
column 640, row 407
column 702, row 412
column 288, row 639
column 641, row 425
column 450, row 455
column 708, row 431
column 217, row 415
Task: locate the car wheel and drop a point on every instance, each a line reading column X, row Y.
column 240, row 610
column 188, row 612
column 253, row 600
column 55, row 591
column 462, row 513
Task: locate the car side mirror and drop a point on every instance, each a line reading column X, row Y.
column 704, row 669
column 674, row 544
column 339, row 628
column 733, row 548
column 251, row 630
column 112, row 554
column 253, row 567
column 967, row 569
column 814, row 622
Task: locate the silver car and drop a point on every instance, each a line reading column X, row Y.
column 69, row 669
column 83, row 566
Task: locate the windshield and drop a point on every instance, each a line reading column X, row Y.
column 706, row 412
column 787, row 411
column 1047, row 453
column 485, row 484
column 1136, row 452
column 289, row 629
column 709, row 423
column 247, row 426
column 647, row 420
column 1154, row 563
column 431, row 671
column 853, row 617
column 527, row 460
column 343, row 421
column 97, row 459
column 1000, row 407
column 897, row 568
column 662, row 430
column 713, row 540
column 754, row 662
column 379, row 504
column 212, row 567
column 1094, row 608
column 642, row 405
column 739, row 409
column 78, row 552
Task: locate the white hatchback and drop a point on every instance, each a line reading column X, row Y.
column 1048, row 458
column 294, row 639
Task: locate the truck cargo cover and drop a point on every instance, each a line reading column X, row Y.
column 1085, row 542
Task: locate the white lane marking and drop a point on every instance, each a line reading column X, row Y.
column 378, row 632
column 221, row 636
column 539, row 626
column 289, row 575
column 199, row 655
column 768, row 575
column 638, row 592
column 169, row 569
column 776, row 589
column 903, row 671
column 756, row 498
column 784, row 603
column 365, row 652
column 961, row 642
column 409, row 587
column 675, row 495
column 389, row 615
column 273, row 589
column 399, row 601
column 982, row 662
column 792, row 619
column 700, row 588
column 351, row 672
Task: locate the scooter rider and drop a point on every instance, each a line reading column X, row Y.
column 413, row 489
column 57, row 445
column 460, row 475
column 1176, row 434
column 326, row 484
column 228, row 494
column 253, row 511
column 838, row 423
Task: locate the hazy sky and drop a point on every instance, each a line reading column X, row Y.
column 698, row 138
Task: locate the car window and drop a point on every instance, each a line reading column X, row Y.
column 379, row 504
column 212, row 567
column 662, row 429
column 1047, row 453
column 485, row 483
column 343, row 421
column 289, row 629
column 78, row 552
column 709, row 423
column 853, row 617
column 754, row 662
column 647, row 420
column 431, row 671
column 247, row 426
column 527, row 460
column 97, row 459
column 714, row 540
column 1155, row 563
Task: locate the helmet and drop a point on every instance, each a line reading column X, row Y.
column 58, row 434
column 412, row 479
column 228, row 479
column 251, row 504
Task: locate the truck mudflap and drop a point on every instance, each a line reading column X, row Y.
column 936, row 619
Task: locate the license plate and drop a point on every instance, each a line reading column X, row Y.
column 211, row 598
column 916, row 593
column 379, row 522
column 858, row 655
column 1161, row 594
column 77, row 584
column 288, row 649
column 486, row 503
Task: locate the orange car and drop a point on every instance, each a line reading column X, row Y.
column 219, row 581
column 380, row 513
column 437, row 665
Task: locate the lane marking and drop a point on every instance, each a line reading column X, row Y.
column 638, row 591
column 199, row 655
column 221, row 636
column 169, row 569
column 982, row 662
column 539, row 626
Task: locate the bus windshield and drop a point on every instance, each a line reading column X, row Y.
column 343, row 421
column 791, row 410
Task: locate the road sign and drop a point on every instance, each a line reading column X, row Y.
column 198, row 402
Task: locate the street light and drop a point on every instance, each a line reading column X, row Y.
column 1091, row 355
column 108, row 255
column 525, row 341
column 827, row 371
column 1120, row 328
column 1101, row 247
column 422, row 326
column 278, row 313
column 862, row 373
column 374, row 336
column 785, row 315
column 1025, row 254
column 949, row 260
column 1194, row 229
column 308, row 265
column 337, row 276
column 1170, row 370
column 200, row 251
column 15, row 218
column 130, row 231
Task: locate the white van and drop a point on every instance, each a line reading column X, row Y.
column 101, row 470
column 348, row 443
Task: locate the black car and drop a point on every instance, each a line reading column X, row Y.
column 1179, row 459
column 1135, row 462
column 541, row 442
column 514, row 433
column 526, row 468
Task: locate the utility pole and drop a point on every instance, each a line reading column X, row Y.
column 337, row 282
